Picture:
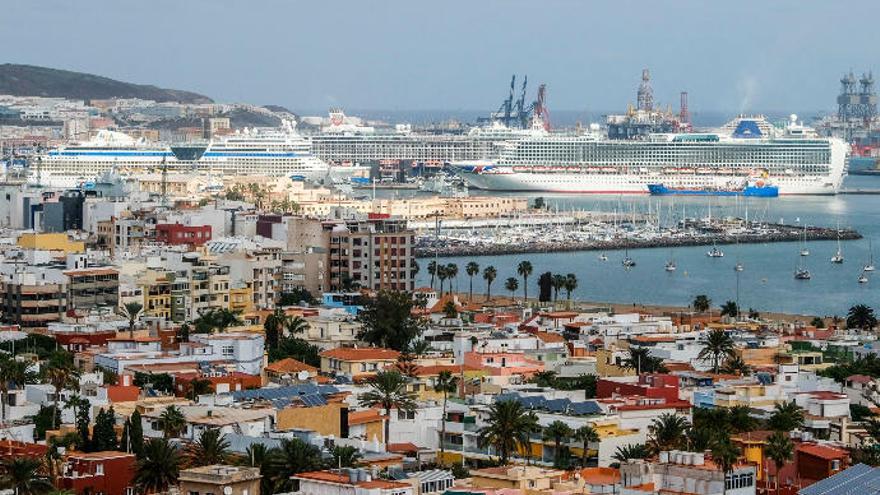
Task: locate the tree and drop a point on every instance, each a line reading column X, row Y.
column 545, row 379
column 449, row 310
column 472, row 268
column 43, row 421
column 861, row 316
column 296, row 325
column 442, row 274
column 432, row 270
column 345, row 456
column 22, row 474
column 210, row 448
column 630, row 451
column 299, row 349
column 104, row 431
column 183, row 333
column 387, row 320
column 558, row 283
column 388, row 391
column 524, row 270
column 725, row 454
column 702, row 303
column 558, row 432
column 545, row 287
column 730, row 309
column 295, row 297
column 740, row 419
column 489, row 274
column 511, row 284
column 817, row 322
column 586, row 435
column 13, row 372
column 787, row 416
column 294, row 456
column 132, row 311
column 571, row 283
column 159, row 467
column 406, row 365
column 780, row 450
column 668, row 432
column 132, row 440
column 539, row 203
column 60, row 377
column 272, row 327
column 446, row 383
column 718, row 345
column 641, row 360
column 735, row 365
column 216, row 320
column 507, row 428
column 82, row 422
column 419, row 347
column 451, row 273
column 172, row 422
column 199, row 386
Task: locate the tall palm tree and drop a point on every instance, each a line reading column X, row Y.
column 558, row 432
column 489, row 274
column 451, row 273
column 60, row 377
column 557, row 281
column 13, row 372
column 507, row 428
column 295, row 325
column 787, row 416
column 472, row 268
column 725, row 454
column 210, row 448
column 668, row 432
column 861, row 316
column 388, row 391
column 586, row 435
column 740, row 419
column 442, row 274
column 511, row 285
column 571, row 283
column 173, row 422
column 345, row 456
column 524, row 269
column 736, row 366
column 718, row 345
column 272, row 327
column 132, row 311
column 630, row 451
column 445, row 384
column 158, row 468
column 432, row 271
column 702, row 303
column 730, row 309
column 294, row 456
column 780, row 450
column 23, row 475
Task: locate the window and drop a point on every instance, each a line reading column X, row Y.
column 99, row 469
column 193, row 493
column 228, row 350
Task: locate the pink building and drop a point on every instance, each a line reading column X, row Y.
column 503, row 363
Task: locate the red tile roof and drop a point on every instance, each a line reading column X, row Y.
column 368, row 416
column 549, row 337
column 361, row 354
column 859, row 379
column 821, row 451
column 290, row 365
column 402, row 448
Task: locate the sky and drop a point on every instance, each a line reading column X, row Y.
column 742, row 56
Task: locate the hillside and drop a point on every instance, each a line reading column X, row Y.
column 29, row 80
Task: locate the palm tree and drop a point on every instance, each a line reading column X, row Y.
column 740, row 419
column 406, row 365
column 272, row 327
column 472, row 268
column 345, row 456
column 60, row 377
column 587, row 435
column 780, row 450
column 736, row 366
column 787, row 416
column 668, row 432
column 12, row 372
column 419, row 347
column 296, row 325
column 441, row 275
column 511, row 285
column 173, row 422
column 507, row 428
column 446, row 383
column 22, row 474
column 432, row 270
column 725, row 454
column 294, row 456
column 557, row 281
column 630, row 451
column 451, row 272
column 861, row 316
column 132, row 311
column 489, row 274
column 558, row 432
column 718, row 344
column 729, row 309
column 210, row 448
column 702, row 303
column 524, row 269
column 571, row 283
column 388, row 391
column 158, row 468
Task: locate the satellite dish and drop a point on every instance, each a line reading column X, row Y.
column 227, row 490
column 302, row 375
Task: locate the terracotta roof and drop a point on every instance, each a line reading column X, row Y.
column 290, row 365
column 825, row 395
column 821, row 451
column 559, row 314
column 361, row 354
column 368, row 416
column 550, row 337
column 402, row 448
column 577, row 324
column 654, row 338
column 599, row 475
column 859, row 379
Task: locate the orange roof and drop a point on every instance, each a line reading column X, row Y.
column 383, row 484
column 599, row 475
column 92, row 271
column 361, row 354
column 368, row 416
column 402, row 448
column 122, row 393
column 549, row 337
column 644, row 487
column 654, row 338
column 821, row 451
column 560, row 314
column 290, row 365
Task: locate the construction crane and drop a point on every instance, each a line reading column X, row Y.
column 522, row 113
column 164, row 183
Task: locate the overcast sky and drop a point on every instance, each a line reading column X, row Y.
column 762, row 55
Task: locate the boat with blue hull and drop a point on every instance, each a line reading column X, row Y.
column 757, row 191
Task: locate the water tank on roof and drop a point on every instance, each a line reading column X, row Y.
column 664, row 457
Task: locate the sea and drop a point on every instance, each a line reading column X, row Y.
column 767, row 282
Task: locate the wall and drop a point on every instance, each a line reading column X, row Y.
column 326, row 420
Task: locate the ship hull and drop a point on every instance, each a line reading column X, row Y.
column 748, row 191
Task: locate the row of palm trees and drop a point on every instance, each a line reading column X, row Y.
column 524, row 269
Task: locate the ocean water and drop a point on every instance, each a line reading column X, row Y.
column 767, row 282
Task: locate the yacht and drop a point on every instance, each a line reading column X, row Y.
column 870, row 266
column 863, row 279
column 802, row 274
column 670, row 266
column 715, row 252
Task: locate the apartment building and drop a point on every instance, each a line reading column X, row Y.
column 374, row 254
column 93, row 287
column 34, row 298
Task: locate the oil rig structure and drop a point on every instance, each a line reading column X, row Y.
column 516, row 114
column 856, row 104
column 646, row 117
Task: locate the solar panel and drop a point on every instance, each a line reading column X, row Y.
column 557, row 405
column 313, row 400
column 585, row 408
column 532, row 402
column 860, row 479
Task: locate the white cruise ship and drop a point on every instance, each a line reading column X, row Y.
column 794, row 159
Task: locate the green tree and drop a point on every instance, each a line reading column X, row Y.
column 449, row 310
column 817, row 322
column 586, row 435
column 451, row 273
column 60, row 377
column 725, row 454
column 183, row 333
column 489, row 274
column 780, row 450
column 641, row 360
column 558, row 432
column 740, row 419
column 432, row 270
column 472, row 268
column 299, row 349
column 388, row 391
column 387, row 320
column 159, row 467
column 294, row 456
column 735, row 365
column 172, row 422
column 43, row 421
column 507, row 428
column 511, row 284
column 210, row 448
column 345, row 456
column 787, row 416
column 545, row 287
column 558, row 283
column 718, row 345
column 571, row 283
column 15, row 373
column 104, row 431
column 668, row 432
column 730, row 309
column 442, row 274
column 862, row 317
column 524, row 269
column 23, row 475
column 295, row 326
column 272, row 327
column 82, row 423
column 446, row 383
column 701, row 303
column 630, row 451
column 132, row 311
column 199, row 386
column 258, row 456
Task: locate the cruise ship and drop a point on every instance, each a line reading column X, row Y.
column 794, row 159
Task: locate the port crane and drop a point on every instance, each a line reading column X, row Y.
column 515, row 113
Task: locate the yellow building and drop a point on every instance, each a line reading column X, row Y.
column 528, row 479
column 156, row 289
column 752, row 445
column 241, row 299
column 329, row 419
column 51, row 242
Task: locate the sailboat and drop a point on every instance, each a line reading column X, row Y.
column 738, row 267
column 804, row 250
column 801, row 272
column 670, row 263
column 870, row 266
column 715, row 252
column 863, row 279
column 838, row 256
column 603, row 257
column 627, row 261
